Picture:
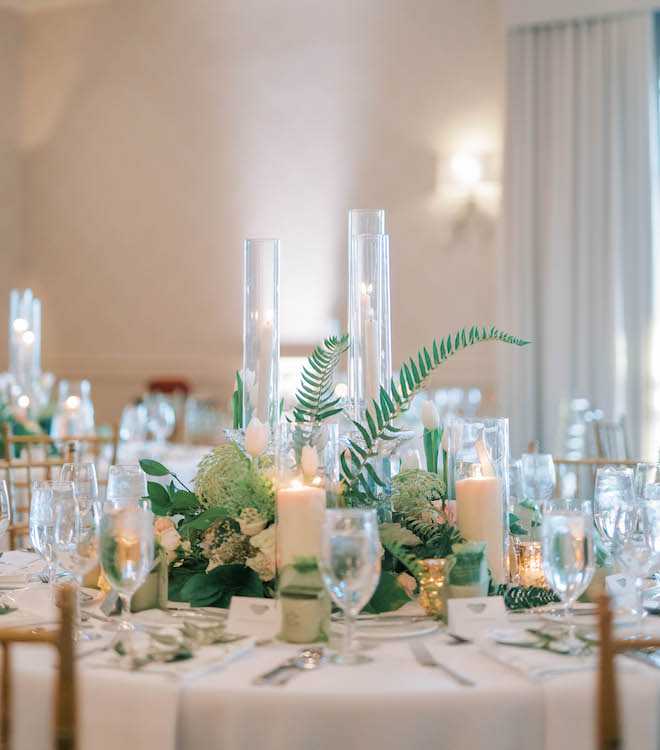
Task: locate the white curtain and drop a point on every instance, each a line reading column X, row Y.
column 578, row 235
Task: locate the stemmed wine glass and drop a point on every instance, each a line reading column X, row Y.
column 350, row 567
column 539, row 477
column 4, row 507
column 127, row 553
column 45, row 496
column 614, row 490
column 160, row 417
column 568, row 555
column 635, row 546
column 126, row 485
column 76, row 543
column 83, row 476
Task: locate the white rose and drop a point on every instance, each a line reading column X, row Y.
column 430, row 416
column 263, row 565
column 257, row 436
column 169, row 541
column 265, row 541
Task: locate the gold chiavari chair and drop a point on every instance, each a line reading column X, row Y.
column 609, row 733
column 27, row 458
column 584, row 469
column 65, row 692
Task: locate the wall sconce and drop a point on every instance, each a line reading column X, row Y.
column 471, row 190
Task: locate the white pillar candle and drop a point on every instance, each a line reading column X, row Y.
column 300, row 511
column 480, row 518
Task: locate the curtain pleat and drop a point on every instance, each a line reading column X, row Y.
column 577, row 241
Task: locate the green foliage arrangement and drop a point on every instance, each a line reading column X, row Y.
column 315, row 394
column 379, row 419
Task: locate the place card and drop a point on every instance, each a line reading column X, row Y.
column 250, row 615
column 468, row 617
column 622, row 590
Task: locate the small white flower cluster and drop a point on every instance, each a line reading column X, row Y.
column 264, row 562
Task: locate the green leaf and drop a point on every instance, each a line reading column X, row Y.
column 315, row 396
column 217, row 587
column 153, row 468
column 203, row 520
column 182, row 500
column 160, row 499
column 372, row 426
column 388, row 596
column 372, row 473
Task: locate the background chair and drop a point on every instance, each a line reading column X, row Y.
column 65, row 692
column 609, row 733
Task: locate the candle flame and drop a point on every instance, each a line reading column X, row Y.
column 20, row 325
column 28, row 337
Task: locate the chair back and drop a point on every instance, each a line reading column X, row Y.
column 607, row 713
column 27, row 458
column 100, row 449
column 65, row 721
column 577, row 477
column 611, row 439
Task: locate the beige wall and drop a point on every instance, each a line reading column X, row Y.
column 157, row 134
column 11, row 266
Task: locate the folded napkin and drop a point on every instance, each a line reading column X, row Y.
column 536, row 663
column 204, row 659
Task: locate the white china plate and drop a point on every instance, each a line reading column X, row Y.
column 378, row 629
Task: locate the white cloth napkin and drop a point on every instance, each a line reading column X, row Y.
column 536, row 663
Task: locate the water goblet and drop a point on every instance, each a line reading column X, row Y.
column 4, row 507
column 350, row 568
column 614, row 489
column 539, row 477
column 83, row 476
column 126, row 484
column 127, row 553
column 45, row 495
column 161, row 417
column 646, row 476
column 568, row 556
column 76, row 544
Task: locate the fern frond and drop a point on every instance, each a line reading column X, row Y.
column 315, row 394
column 403, row 555
column 413, row 377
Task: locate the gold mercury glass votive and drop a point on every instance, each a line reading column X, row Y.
column 432, row 583
column 529, row 564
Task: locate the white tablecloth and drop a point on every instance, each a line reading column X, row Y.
column 389, row 704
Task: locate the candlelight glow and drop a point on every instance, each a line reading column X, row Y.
column 23, row 401
column 72, row 402
column 20, row 325
column 28, row 337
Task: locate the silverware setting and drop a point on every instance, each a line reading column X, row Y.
column 307, row 660
column 425, row 659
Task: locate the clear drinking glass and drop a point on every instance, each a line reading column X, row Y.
column 350, row 567
column 539, row 477
column 45, row 496
column 568, row 555
column 127, row 553
column 133, row 424
column 76, row 542
column 646, row 476
column 83, row 476
column 126, row 485
column 74, row 414
column 635, row 545
column 161, row 418
column 4, row 507
column 614, row 489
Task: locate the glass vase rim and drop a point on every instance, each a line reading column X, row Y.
column 262, row 239
column 366, row 210
column 476, row 420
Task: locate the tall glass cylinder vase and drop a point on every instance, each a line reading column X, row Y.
column 261, row 339
column 370, row 327
column 478, row 469
column 25, row 348
column 307, row 468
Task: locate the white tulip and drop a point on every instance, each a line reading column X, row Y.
column 257, row 436
column 410, row 460
column 309, row 460
column 430, row 416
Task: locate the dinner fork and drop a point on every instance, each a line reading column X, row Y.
column 425, row 659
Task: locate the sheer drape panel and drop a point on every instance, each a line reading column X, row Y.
column 578, row 223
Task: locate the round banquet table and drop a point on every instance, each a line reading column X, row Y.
column 389, row 704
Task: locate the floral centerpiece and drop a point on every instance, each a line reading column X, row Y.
column 220, row 535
